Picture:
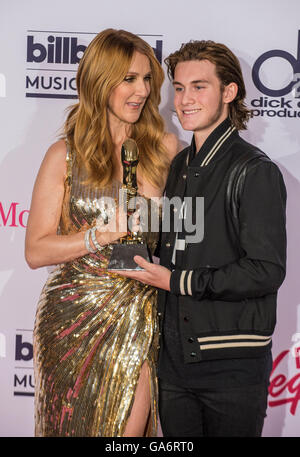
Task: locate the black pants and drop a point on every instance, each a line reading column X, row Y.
column 236, row 412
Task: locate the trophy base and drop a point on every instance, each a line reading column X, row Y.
column 122, row 256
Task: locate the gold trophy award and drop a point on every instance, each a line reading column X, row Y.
column 132, row 244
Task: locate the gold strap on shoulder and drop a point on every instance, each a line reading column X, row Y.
column 69, row 164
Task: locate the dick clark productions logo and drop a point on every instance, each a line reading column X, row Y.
column 279, row 106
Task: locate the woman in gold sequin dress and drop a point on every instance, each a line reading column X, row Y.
column 95, row 335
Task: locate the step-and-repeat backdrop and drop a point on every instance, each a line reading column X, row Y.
column 41, row 44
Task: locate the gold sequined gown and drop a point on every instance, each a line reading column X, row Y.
column 93, row 332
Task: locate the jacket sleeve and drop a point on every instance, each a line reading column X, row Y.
column 262, row 238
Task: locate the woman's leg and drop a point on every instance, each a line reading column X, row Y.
column 137, row 422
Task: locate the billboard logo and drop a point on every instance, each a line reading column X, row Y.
column 57, row 50
column 2, row 86
column 24, row 377
column 52, row 61
column 24, row 349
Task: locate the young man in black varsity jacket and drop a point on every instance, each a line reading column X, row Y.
column 217, row 286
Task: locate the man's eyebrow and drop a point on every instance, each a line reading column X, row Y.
column 197, row 81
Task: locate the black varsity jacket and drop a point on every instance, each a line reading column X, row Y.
column 227, row 282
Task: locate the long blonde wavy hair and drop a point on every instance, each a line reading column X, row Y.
column 104, row 66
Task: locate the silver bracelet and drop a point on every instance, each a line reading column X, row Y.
column 87, row 241
column 94, row 240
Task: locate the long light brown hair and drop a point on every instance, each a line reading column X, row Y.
column 228, row 70
column 104, row 66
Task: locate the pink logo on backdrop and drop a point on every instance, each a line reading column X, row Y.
column 283, row 390
column 11, row 215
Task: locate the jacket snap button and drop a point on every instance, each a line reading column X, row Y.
column 190, row 340
column 193, row 354
column 197, row 174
